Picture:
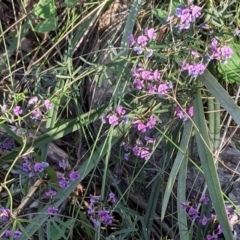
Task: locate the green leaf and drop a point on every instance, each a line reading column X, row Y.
column 46, row 25
column 231, row 70
column 208, row 166
column 70, row 3
column 45, row 9
column 221, row 95
column 176, row 166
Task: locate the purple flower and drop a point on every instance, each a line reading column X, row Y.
column 63, row 164
column 112, row 197
column 144, row 154
column 212, row 237
column 156, row 75
column 74, row 176
column 193, row 213
column 219, row 229
column 17, row 234
column 32, row 100
column 8, row 233
column 93, row 198
column 26, row 167
column 236, row 32
column 52, row 210
column 138, row 84
column 60, row 175
column 151, row 89
column 113, row 120
column 184, row 206
column 226, row 53
column 162, row 89
column 105, row 216
column 191, row 111
column 36, row 114
column 5, row 215
column 150, row 33
column 120, row 110
column 142, row 41
column 203, row 220
column 179, row 113
column 17, row 110
column 147, row 75
column 95, row 222
column 38, row 167
column 48, row 105
column 141, row 127
column 205, row 199
column 63, row 183
column 149, row 53
column 151, row 122
column 51, row 193
column 138, row 50
column 131, row 40
column 196, row 12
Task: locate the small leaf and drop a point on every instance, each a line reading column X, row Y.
column 46, row 9
column 70, row 3
column 46, row 25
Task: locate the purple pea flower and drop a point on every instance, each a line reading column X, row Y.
column 162, row 89
column 151, row 122
column 95, row 222
column 131, row 40
column 212, row 237
column 5, row 215
column 138, row 84
column 32, row 100
column 113, row 120
column 138, row 50
column 142, row 40
column 184, row 206
column 144, row 154
column 179, row 113
column 193, row 213
column 191, row 111
column 48, row 105
column 203, row 220
column 8, row 233
column 196, row 12
column 52, row 210
column 205, row 199
column 51, row 193
column 150, row 33
column 105, row 216
column 74, row 176
column 38, row 167
column 120, row 110
column 17, row 234
column 26, row 167
column 149, row 53
column 112, row 197
column 226, row 53
column 36, row 114
column 63, row 183
column 156, row 75
column 17, row 110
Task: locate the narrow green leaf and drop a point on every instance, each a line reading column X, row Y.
column 177, row 163
column 221, row 95
column 209, row 169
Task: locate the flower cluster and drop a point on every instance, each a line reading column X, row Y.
column 113, row 118
column 33, row 108
column 140, row 43
column 216, row 229
column 16, row 234
column 64, row 182
column 142, row 126
column 219, row 52
column 141, row 149
column 180, row 114
column 7, row 144
column 187, row 15
column 36, row 168
column 150, row 81
column 98, row 216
